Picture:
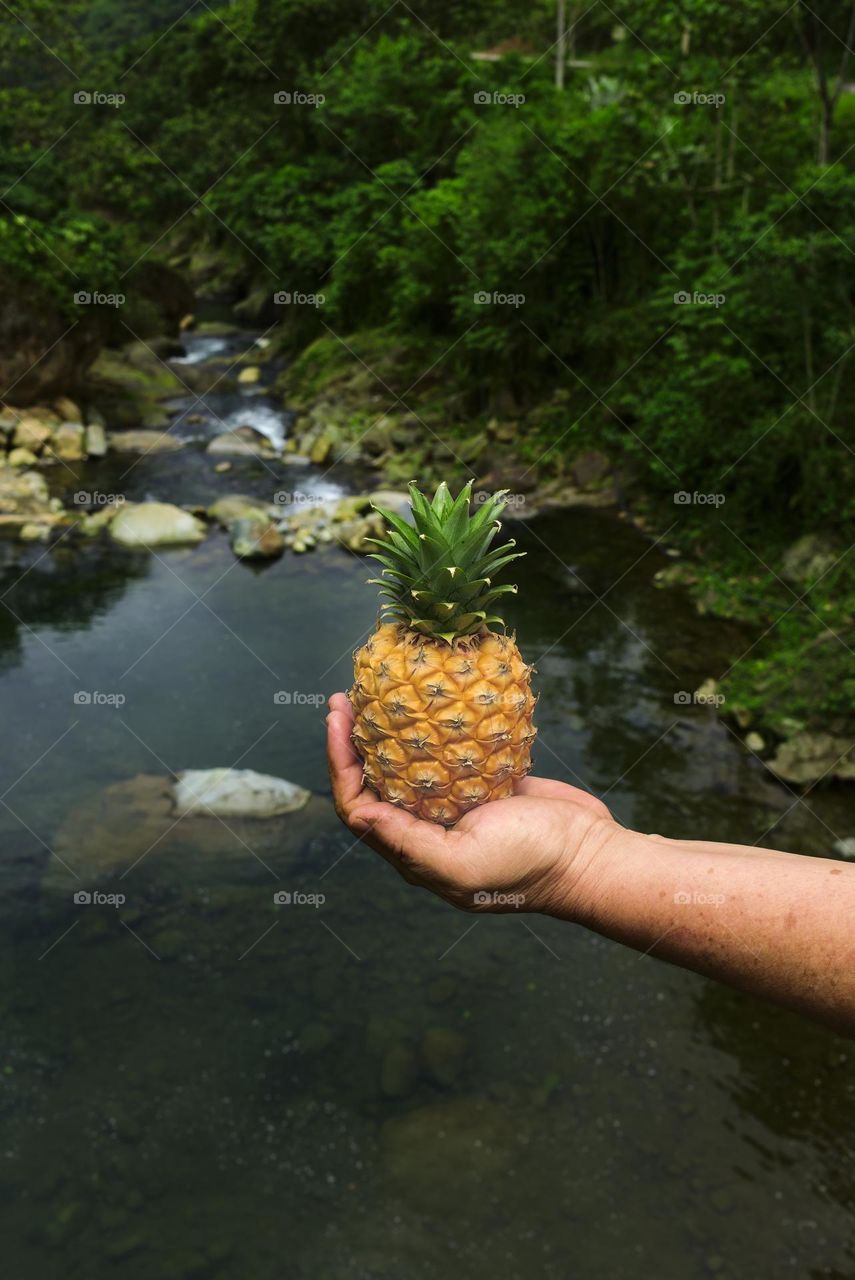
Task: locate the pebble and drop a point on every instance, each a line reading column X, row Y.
column 441, row 989
column 398, row 1072
column 443, row 1051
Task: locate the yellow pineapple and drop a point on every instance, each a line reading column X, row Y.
column 443, row 705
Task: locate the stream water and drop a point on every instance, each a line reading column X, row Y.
column 203, row 1083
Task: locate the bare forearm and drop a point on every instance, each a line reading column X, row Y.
column 777, row 924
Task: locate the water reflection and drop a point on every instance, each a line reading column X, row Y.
column 203, row 1083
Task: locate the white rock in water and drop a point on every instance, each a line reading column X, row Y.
column 235, row 793
column 846, row 847
column 154, row 524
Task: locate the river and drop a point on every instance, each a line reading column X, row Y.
column 200, row 1083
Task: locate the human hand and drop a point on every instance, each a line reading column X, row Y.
column 536, row 850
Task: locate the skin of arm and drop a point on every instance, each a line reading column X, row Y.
column 776, row 924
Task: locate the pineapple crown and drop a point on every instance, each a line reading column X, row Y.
column 438, row 572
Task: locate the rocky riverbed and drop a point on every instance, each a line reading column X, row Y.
column 199, row 419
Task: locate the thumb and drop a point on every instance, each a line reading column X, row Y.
column 408, row 842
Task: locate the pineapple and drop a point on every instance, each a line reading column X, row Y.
column 443, row 705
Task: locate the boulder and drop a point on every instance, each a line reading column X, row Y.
column 807, row 757
column 143, row 441
column 243, row 442
column 21, row 458
column 126, row 386
column 66, row 410
column 67, row 442
column 392, row 499
column 320, row 449
column 355, row 534
column 236, row 506
column 92, row 524
column 235, row 793
column 807, row 559
column 32, row 532
column 95, row 440
column 256, row 538
column 132, row 824
column 468, row 1143
column 31, row 433
column 156, row 524
column 250, row 375
column 707, row 693
column 357, row 504
column 23, row 494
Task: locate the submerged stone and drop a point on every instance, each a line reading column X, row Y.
column 236, row 793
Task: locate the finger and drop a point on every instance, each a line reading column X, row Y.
column 344, row 764
column 340, row 702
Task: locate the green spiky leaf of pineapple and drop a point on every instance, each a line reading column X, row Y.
column 439, row 572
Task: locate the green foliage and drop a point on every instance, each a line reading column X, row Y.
column 56, row 260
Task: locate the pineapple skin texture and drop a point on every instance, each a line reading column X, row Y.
column 441, row 728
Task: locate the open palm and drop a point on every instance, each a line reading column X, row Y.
column 526, row 852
